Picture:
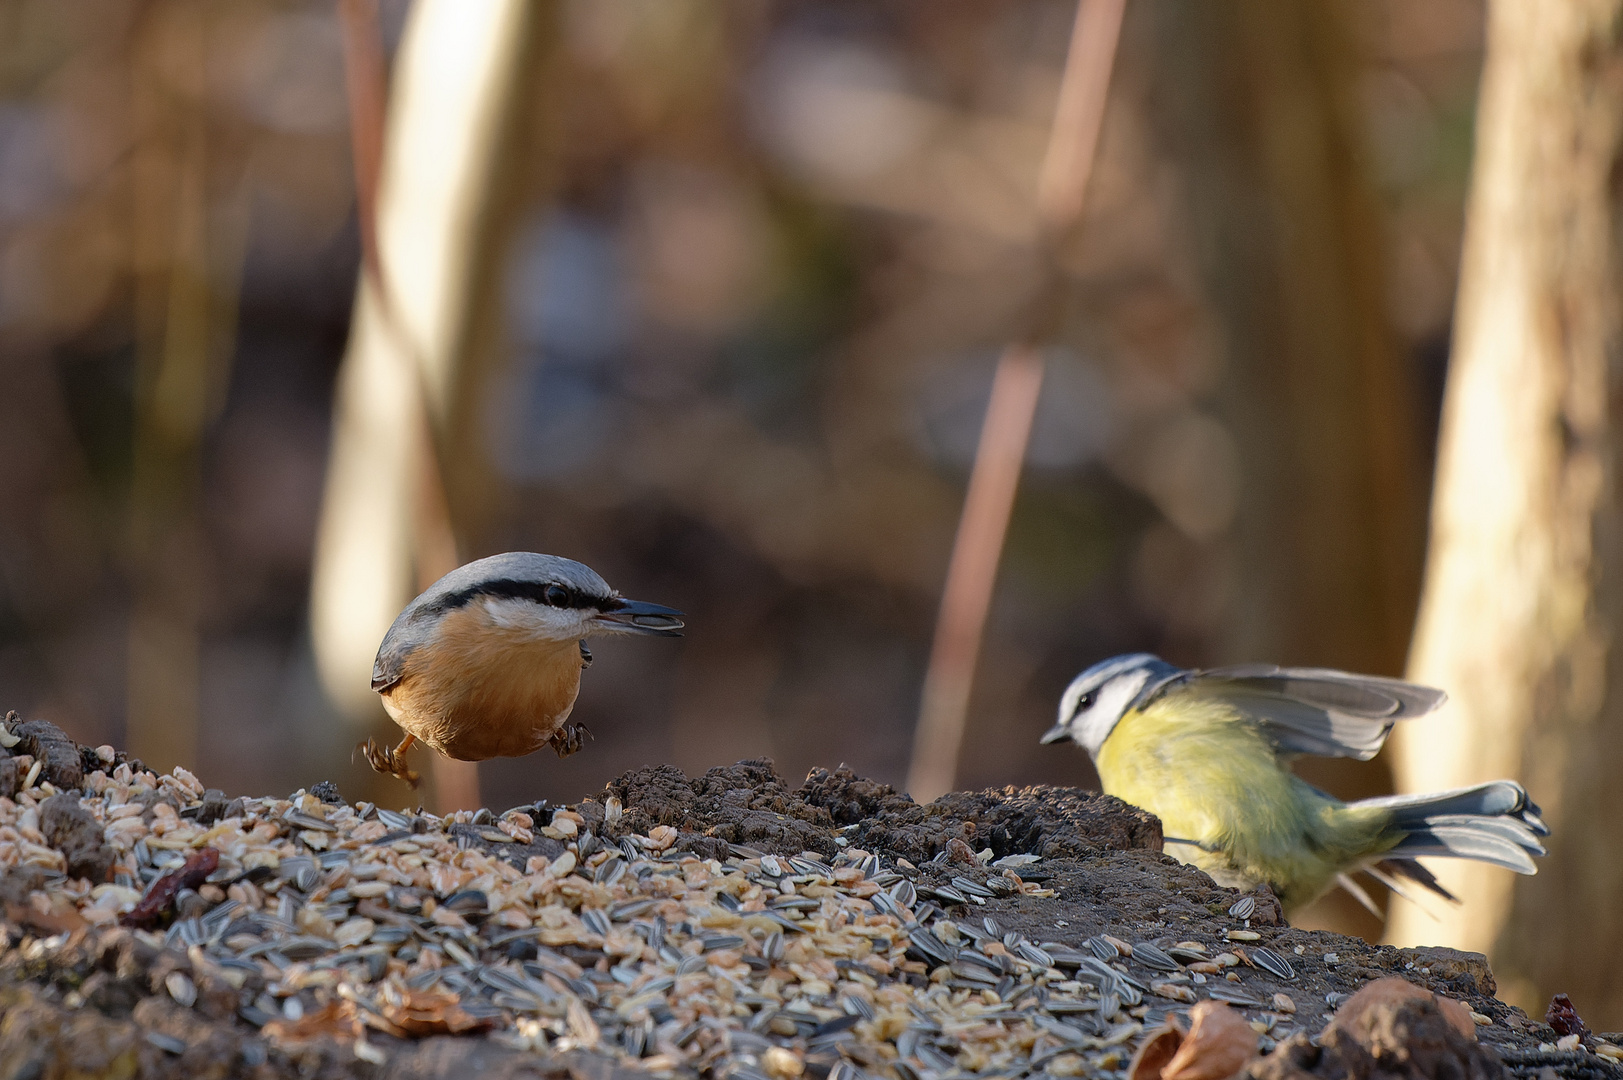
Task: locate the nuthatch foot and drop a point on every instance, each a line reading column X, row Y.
column 487, row 661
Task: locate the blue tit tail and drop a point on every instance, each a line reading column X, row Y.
column 1493, row 823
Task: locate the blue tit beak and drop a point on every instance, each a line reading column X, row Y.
column 1057, row 733
column 638, row 617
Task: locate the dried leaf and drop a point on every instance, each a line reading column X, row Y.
column 1155, row 1053
column 1392, row 991
column 432, row 1012
column 1564, row 1018
column 1219, row 1044
column 46, row 922
column 335, row 1020
column 160, row 897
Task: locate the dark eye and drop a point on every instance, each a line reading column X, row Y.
column 556, row 595
column 1087, row 701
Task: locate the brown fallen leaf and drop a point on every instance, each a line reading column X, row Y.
column 1155, row 1052
column 1352, row 1015
column 334, row 1020
column 65, row 921
column 1219, row 1044
column 1564, row 1018
column 432, row 1012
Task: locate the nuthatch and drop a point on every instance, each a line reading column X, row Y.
column 1208, row 753
column 487, row 661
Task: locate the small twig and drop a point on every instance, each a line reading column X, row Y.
column 972, row 571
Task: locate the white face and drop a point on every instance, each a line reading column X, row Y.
column 1093, row 704
column 539, row 621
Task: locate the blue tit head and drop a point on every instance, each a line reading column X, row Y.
column 1098, row 698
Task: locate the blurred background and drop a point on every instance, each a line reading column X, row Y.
column 730, row 282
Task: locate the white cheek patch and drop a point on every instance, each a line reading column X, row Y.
column 1093, row 727
column 537, row 620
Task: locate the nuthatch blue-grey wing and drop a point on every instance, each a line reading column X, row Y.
column 1208, row 752
column 487, row 661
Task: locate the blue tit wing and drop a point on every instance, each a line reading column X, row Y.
column 1316, row 710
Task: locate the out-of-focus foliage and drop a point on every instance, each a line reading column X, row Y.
column 762, row 262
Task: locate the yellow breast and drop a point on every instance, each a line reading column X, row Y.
column 1214, row 779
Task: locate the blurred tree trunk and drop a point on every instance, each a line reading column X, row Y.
column 189, row 237
column 1522, row 593
column 407, row 461
column 1326, row 551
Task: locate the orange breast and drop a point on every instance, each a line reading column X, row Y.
column 485, row 691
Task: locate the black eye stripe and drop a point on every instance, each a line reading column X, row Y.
column 551, row 594
column 1085, row 702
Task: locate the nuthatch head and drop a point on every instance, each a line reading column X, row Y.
column 487, row 661
column 1208, row 752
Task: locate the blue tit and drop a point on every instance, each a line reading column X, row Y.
column 1208, row 752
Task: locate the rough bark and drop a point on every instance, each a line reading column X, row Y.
column 1521, row 594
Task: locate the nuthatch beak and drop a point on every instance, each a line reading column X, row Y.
column 487, row 661
column 639, row 617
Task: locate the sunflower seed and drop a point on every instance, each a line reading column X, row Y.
column 1101, row 948
column 971, row 887
column 931, row 948
column 181, row 989
column 300, row 819
column 1034, row 955
column 811, row 866
column 1152, row 957
column 1233, row 995
column 1271, row 962
column 1243, row 907
column 467, row 902
column 169, row 1044
column 1069, row 1006
column 797, row 903
column 630, row 909
column 1059, row 1029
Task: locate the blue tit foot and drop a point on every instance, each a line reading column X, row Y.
column 585, row 656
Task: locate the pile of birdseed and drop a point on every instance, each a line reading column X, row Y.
column 635, row 933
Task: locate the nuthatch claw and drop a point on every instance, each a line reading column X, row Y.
column 391, row 761
column 487, row 661
column 569, row 739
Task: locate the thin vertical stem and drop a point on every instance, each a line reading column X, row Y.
column 970, row 574
column 978, row 546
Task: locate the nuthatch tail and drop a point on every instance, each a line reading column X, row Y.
column 487, row 661
column 1208, row 752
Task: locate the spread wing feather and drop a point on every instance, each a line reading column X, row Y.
column 1319, row 711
